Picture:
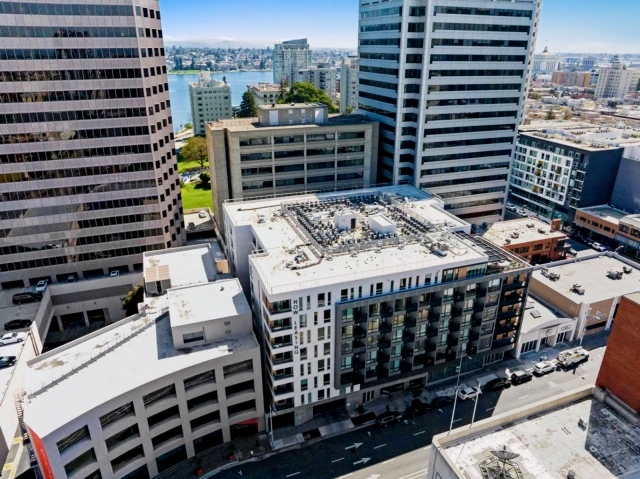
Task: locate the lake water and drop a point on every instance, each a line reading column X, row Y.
column 179, row 91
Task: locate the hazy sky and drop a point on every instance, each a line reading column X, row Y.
column 590, row 26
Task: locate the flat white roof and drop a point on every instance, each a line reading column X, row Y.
column 187, row 265
column 538, row 316
column 552, row 443
column 147, row 356
column 282, row 243
column 502, row 231
column 605, row 212
column 196, row 304
column 591, row 274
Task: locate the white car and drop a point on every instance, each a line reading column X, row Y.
column 544, row 367
column 598, row 247
column 521, row 212
column 511, row 207
column 114, row 273
column 468, row 393
column 202, row 214
column 12, row 338
column 41, row 286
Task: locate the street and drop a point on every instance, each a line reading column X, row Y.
column 400, row 451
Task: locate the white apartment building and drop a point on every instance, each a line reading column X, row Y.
column 545, row 63
column 90, row 178
column 364, row 292
column 288, row 58
column 617, row 81
column 349, row 84
column 144, row 394
column 447, row 83
column 323, row 77
column 210, row 101
column 265, row 93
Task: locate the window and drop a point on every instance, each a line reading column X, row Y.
column 320, row 334
column 73, row 438
column 117, row 414
column 203, row 400
column 304, row 384
column 320, row 365
column 166, row 436
column 238, row 368
column 160, row 394
column 327, row 315
column 378, row 288
column 321, row 300
column 210, row 418
column 344, row 295
column 166, row 415
column 303, row 353
column 303, row 320
column 326, row 379
column 193, row 381
column 373, row 326
column 129, row 456
column 122, row 436
column 193, row 337
column 327, row 349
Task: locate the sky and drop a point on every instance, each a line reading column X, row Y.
column 580, row 26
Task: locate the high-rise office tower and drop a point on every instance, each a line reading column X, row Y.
column 88, row 169
column 447, row 84
column 349, row 84
column 288, row 58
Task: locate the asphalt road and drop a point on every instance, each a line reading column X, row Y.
column 400, row 451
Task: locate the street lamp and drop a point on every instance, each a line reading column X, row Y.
column 455, row 400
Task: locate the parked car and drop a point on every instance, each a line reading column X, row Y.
column 598, row 247
column 202, row 214
column 6, row 361
column 12, row 338
column 440, row 401
column 544, row 367
column 468, row 393
column 389, row 417
column 71, row 278
column 511, row 207
column 21, row 298
column 521, row 212
column 191, row 226
column 41, row 286
column 114, row 273
column 572, row 252
column 418, row 406
column 520, row 377
column 497, row 384
column 17, row 324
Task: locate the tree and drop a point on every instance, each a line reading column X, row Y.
column 188, row 125
column 248, row 107
column 567, row 115
column 304, row 92
column 284, row 85
column 349, row 109
column 131, row 300
column 549, row 115
column 205, row 181
column 195, row 150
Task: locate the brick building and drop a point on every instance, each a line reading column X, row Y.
column 619, row 371
column 533, row 240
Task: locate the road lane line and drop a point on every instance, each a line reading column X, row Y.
column 418, row 433
column 387, row 462
column 459, row 419
column 491, row 408
column 346, row 475
column 524, row 397
column 413, row 475
column 338, row 460
column 294, row 474
column 381, row 445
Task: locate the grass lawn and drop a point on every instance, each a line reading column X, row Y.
column 188, row 165
column 193, row 197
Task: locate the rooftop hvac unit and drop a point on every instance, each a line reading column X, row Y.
column 545, row 271
column 515, row 234
column 542, row 231
column 507, row 241
column 530, row 225
column 554, row 276
column 578, row 289
column 261, row 218
column 626, row 269
column 614, row 274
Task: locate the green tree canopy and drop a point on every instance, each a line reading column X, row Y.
column 131, row 300
column 304, row 92
column 195, row 150
column 248, row 107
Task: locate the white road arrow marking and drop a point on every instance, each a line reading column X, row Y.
column 381, row 445
column 364, row 460
column 354, row 446
column 338, row 460
column 369, row 432
column 374, row 476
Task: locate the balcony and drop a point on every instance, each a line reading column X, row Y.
column 411, row 307
column 512, row 299
column 508, row 314
column 385, row 328
column 506, row 328
column 387, row 312
column 498, row 343
column 284, row 405
column 359, row 332
column 408, row 337
column 283, row 389
column 282, row 374
column 281, row 359
column 281, row 342
column 359, row 346
column 512, row 286
column 279, row 325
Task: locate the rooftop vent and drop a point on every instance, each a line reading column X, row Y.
column 507, row 241
column 515, row 235
column 262, row 219
column 626, row 269
column 614, row 274
column 542, row 231
column 530, row 225
column 578, row 289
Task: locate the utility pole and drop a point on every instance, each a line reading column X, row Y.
column 475, row 406
column 455, row 400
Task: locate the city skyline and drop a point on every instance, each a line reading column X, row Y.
column 222, row 24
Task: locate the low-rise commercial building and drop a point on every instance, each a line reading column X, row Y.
column 611, row 227
column 543, row 326
column 290, row 149
column 141, row 395
column 587, row 288
column 210, row 101
column 575, row 434
column 561, row 166
column 618, row 374
column 323, row 77
column 535, row 241
column 572, row 79
column 364, row 292
column 265, row 93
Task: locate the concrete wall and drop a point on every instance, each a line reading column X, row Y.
column 621, row 362
column 440, row 463
column 218, row 168
column 602, row 169
column 217, row 329
column 555, row 298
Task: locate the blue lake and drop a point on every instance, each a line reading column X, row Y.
column 179, row 91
